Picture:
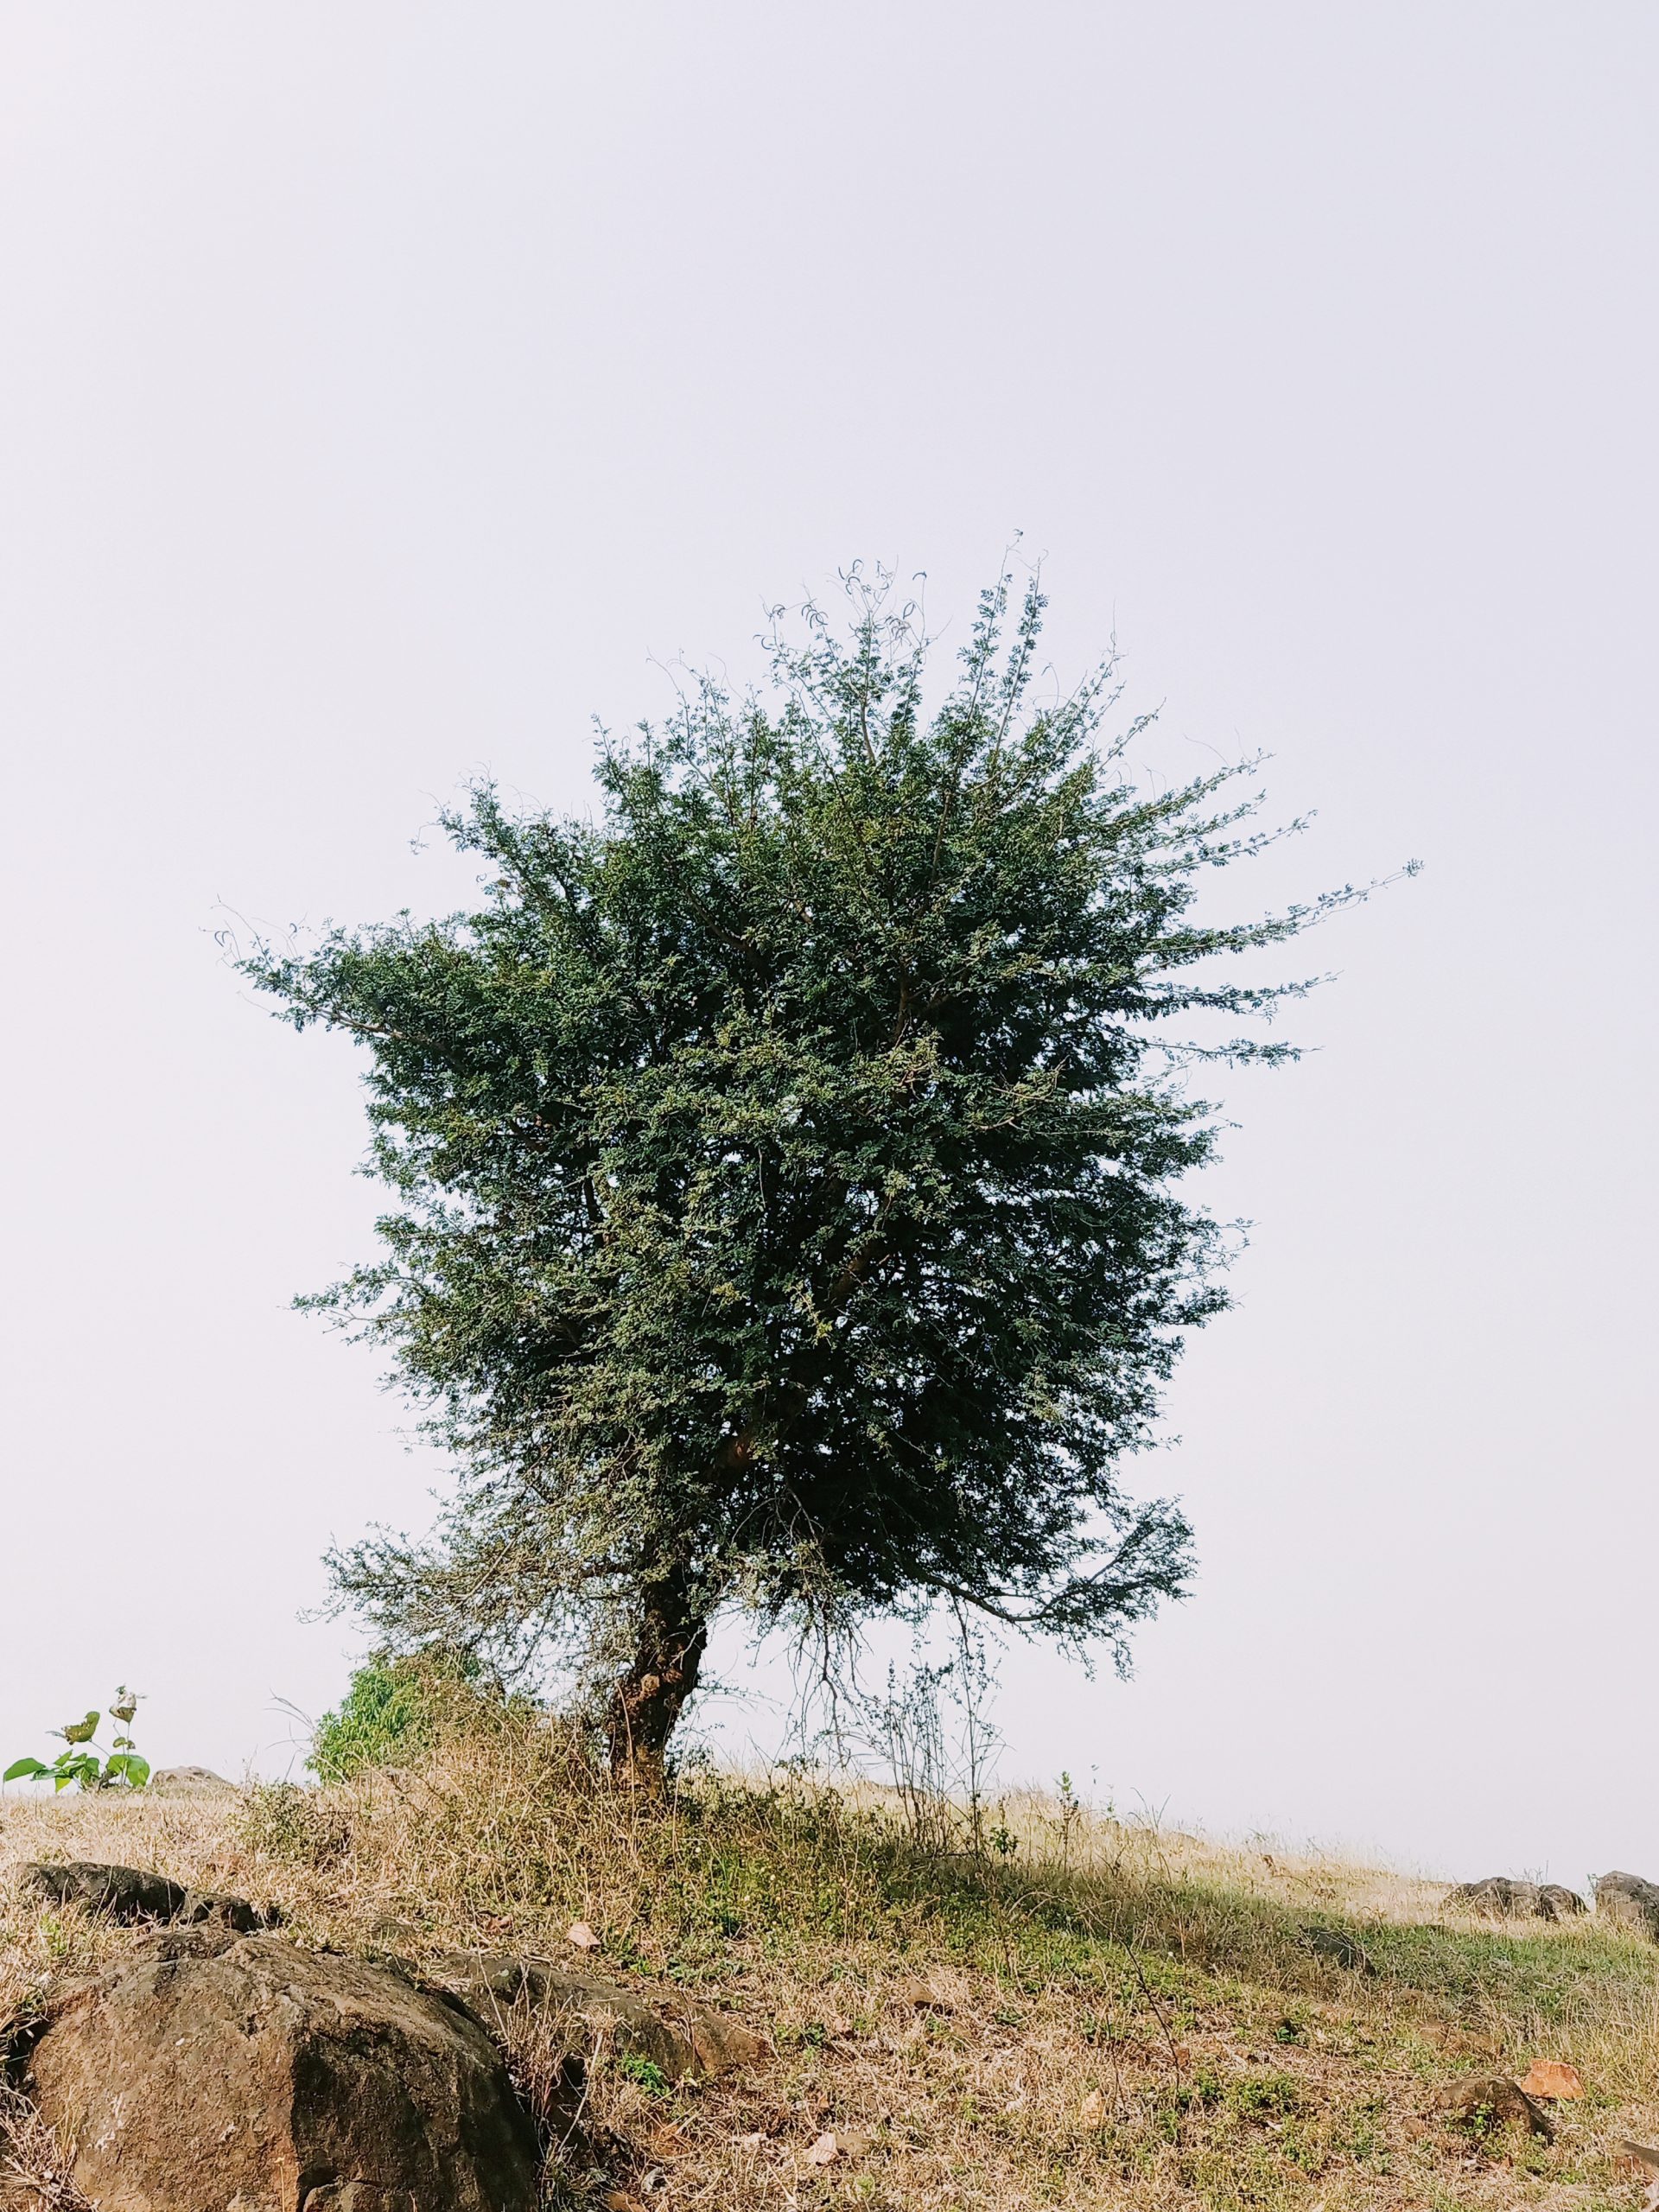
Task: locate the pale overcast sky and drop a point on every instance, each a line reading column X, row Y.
column 384, row 389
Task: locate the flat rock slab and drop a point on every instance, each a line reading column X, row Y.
column 686, row 2040
column 134, row 1893
column 212, row 2071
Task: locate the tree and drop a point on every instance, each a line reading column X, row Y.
column 788, row 1168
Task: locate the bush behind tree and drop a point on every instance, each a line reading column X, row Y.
column 386, row 1718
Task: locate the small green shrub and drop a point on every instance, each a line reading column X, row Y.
column 645, row 2073
column 388, row 1715
column 1265, row 2096
column 81, row 1764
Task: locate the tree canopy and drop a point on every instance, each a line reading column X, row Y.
column 789, row 1166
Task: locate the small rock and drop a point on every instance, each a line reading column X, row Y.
column 1645, row 2155
column 187, row 1782
column 1629, row 1901
column 684, row 2039
column 1552, row 2077
column 215, row 1908
column 720, row 2043
column 1342, row 1950
column 1493, row 2102
column 1496, row 1895
column 1565, row 1903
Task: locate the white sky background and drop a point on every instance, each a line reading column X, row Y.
column 381, row 386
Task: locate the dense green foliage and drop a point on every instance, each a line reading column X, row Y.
column 385, row 1716
column 789, row 1163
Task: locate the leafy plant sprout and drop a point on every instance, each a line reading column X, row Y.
column 81, row 1763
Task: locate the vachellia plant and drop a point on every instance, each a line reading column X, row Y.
column 81, row 1763
column 789, row 1167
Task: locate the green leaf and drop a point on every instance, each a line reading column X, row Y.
column 24, row 1770
column 80, row 1732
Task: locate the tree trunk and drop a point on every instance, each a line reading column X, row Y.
column 648, row 1698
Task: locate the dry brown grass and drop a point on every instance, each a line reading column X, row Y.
column 33, row 2174
column 1106, row 2016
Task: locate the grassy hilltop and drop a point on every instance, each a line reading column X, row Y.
column 1100, row 2015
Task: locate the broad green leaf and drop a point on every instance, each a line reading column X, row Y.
column 24, row 1770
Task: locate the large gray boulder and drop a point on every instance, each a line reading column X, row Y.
column 1628, row 1901
column 211, row 2070
column 1500, row 1897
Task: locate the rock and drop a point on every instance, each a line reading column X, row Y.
column 213, row 2069
column 124, row 1893
column 1629, row 1901
column 1552, row 2078
column 1501, row 1896
column 697, row 2041
column 215, row 1908
column 1493, row 2102
column 1331, row 1943
column 129, row 1893
column 187, row 1782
